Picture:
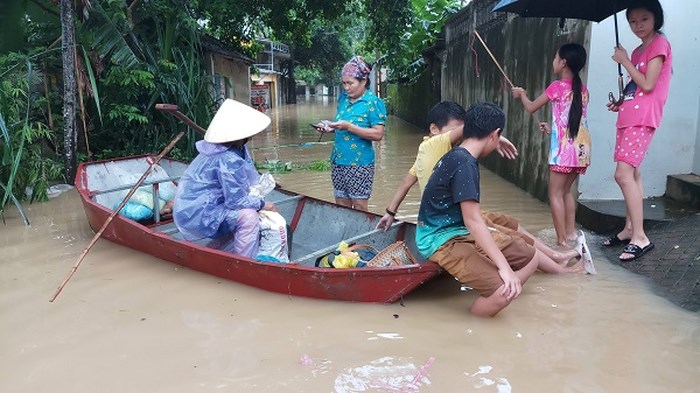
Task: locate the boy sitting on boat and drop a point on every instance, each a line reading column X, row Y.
column 213, row 197
column 493, row 260
column 445, row 127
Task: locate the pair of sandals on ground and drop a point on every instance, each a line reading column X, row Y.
column 634, row 250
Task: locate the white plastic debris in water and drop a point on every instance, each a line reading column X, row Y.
column 51, row 192
column 390, row 336
column 653, row 205
column 387, row 374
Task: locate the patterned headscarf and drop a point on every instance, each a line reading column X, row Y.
column 357, row 67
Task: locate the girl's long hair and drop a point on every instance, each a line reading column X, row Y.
column 575, row 57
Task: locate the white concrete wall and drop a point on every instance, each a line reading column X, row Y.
column 675, row 147
column 696, row 165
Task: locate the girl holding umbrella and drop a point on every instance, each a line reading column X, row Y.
column 639, row 114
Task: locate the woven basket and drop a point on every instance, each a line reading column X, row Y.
column 396, row 254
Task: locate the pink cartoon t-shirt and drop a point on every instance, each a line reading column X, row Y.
column 564, row 151
column 646, row 109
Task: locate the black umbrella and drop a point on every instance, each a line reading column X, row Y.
column 593, row 10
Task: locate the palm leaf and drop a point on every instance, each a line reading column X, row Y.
column 3, row 128
column 93, row 84
column 109, row 39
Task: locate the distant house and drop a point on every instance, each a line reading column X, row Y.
column 270, row 80
column 229, row 70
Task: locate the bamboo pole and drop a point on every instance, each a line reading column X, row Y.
column 115, row 212
column 476, row 33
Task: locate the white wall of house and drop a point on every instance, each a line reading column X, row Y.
column 675, row 148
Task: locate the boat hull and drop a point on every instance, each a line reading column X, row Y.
column 378, row 285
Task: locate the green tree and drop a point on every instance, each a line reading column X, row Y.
column 321, row 60
column 399, row 30
column 239, row 22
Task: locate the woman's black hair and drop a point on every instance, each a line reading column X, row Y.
column 575, row 57
column 652, row 6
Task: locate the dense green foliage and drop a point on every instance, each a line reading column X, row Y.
column 394, row 33
column 400, row 30
column 321, row 61
column 25, row 159
column 132, row 54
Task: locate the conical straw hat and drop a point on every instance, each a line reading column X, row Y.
column 235, row 121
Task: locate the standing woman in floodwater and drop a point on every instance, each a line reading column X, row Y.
column 359, row 121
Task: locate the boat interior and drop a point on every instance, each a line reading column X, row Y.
column 317, row 226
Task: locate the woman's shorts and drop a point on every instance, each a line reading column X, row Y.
column 580, row 170
column 467, row 261
column 632, row 143
column 352, row 181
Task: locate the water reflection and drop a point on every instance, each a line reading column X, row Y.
column 128, row 322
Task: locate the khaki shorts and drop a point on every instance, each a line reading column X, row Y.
column 500, row 220
column 468, row 262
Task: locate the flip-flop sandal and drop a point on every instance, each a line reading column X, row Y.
column 580, row 243
column 614, row 241
column 636, row 251
column 587, row 261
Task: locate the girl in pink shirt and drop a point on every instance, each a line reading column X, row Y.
column 570, row 141
column 638, row 117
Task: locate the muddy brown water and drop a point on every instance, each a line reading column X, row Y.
column 128, row 322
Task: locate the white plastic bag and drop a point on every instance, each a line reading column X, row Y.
column 264, row 186
column 273, row 237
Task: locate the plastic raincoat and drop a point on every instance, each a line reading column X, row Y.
column 213, row 191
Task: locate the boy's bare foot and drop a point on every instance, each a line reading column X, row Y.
column 577, row 268
column 564, row 257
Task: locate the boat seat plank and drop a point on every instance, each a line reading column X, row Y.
column 123, row 187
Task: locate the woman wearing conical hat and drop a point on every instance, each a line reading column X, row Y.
column 213, row 197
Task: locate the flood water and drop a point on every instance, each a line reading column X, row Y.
column 128, row 322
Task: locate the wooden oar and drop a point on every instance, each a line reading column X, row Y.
column 172, row 109
column 164, row 107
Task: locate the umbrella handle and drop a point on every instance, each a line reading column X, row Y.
column 620, row 87
column 611, row 97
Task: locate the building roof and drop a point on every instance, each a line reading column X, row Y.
column 214, row 45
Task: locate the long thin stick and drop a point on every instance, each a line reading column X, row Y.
column 476, row 33
column 493, row 58
column 115, row 212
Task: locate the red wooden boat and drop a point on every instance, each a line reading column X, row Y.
column 318, row 227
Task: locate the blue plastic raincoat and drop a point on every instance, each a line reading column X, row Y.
column 215, row 185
